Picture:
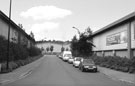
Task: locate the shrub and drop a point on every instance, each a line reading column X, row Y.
column 34, row 51
column 12, row 66
column 15, row 64
column 116, row 63
column 18, row 55
column 16, row 51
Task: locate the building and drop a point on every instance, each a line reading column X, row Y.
column 56, row 45
column 117, row 38
column 17, row 34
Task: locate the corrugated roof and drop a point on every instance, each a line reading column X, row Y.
column 124, row 19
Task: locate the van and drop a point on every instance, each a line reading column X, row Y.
column 66, row 55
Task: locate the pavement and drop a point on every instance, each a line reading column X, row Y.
column 117, row 75
column 74, row 74
column 20, row 72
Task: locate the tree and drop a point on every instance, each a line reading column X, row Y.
column 88, row 31
column 85, row 48
column 47, row 49
column 32, row 34
column 62, row 49
column 82, row 46
column 51, row 48
column 20, row 25
column 67, row 49
column 74, row 46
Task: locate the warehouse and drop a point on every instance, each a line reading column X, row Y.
column 17, row 34
column 117, row 38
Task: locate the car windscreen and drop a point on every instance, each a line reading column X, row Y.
column 68, row 55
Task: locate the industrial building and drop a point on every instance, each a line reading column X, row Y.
column 117, row 38
column 17, row 34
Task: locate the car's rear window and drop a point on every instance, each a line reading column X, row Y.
column 88, row 61
column 68, row 55
column 78, row 59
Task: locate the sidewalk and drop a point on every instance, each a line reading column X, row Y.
column 20, row 72
column 126, row 77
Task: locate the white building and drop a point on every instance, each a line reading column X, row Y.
column 117, row 38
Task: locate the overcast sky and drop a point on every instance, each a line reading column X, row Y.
column 54, row 19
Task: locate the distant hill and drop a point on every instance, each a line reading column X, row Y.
column 57, row 45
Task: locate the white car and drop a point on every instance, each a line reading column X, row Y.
column 66, row 57
column 76, row 61
column 70, row 60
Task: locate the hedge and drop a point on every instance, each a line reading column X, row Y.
column 16, row 51
column 34, row 51
column 19, row 55
column 117, row 63
column 15, row 64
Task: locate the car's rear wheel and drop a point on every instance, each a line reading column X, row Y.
column 82, row 69
column 95, row 70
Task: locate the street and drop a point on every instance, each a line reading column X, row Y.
column 54, row 72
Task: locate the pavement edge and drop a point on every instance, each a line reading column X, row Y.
column 114, row 78
column 23, row 75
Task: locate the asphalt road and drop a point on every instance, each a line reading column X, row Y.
column 54, row 72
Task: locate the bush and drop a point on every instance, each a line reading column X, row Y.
column 12, row 66
column 15, row 64
column 16, row 51
column 116, row 63
column 18, row 55
column 34, row 51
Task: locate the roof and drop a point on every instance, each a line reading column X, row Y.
column 129, row 17
column 6, row 18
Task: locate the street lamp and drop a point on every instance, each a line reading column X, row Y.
column 77, row 30
column 9, row 34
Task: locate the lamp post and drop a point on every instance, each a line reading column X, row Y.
column 8, row 45
column 77, row 30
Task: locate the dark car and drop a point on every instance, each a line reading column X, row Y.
column 87, row 65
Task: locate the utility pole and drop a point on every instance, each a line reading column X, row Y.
column 8, row 45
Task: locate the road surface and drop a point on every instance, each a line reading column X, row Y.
column 54, row 72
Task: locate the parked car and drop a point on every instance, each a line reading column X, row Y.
column 76, row 61
column 60, row 55
column 87, row 65
column 70, row 60
column 66, row 55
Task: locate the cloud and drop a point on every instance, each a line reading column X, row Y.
column 45, row 12
column 44, row 26
column 40, row 30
